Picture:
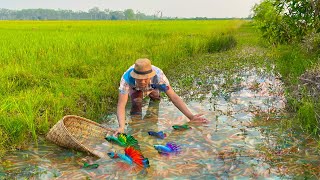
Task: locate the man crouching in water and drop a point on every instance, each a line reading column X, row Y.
column 143, row 79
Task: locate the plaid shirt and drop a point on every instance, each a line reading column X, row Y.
column 159, row 81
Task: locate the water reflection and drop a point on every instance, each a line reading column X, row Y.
column 229, row 146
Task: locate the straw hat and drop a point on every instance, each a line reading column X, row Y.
column 142, row 69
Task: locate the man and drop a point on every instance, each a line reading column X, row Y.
column 143, row 79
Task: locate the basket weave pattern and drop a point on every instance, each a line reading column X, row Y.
column 78, row 133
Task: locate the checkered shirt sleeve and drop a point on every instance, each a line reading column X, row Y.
column 163, row 79
column 124, row 87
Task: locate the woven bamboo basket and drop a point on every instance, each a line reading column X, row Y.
column 79, row 133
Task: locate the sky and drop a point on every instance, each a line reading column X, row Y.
column 169, row 8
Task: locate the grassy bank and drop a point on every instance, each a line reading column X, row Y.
column 301, row 73
column 51, row 69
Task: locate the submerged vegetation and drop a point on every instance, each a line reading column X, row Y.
column 293, row 26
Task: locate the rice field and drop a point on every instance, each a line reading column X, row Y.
column 54, row 68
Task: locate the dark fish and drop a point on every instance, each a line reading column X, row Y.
column 90, row 166
column 159, row 134
column 181, row 127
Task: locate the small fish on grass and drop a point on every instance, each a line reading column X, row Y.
column 181, row 127
column 159, row 134
column 90, row 166
column 169, row 148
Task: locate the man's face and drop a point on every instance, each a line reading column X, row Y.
column 142, row 83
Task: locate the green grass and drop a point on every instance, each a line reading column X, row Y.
column 221, row 43
column 291, row 62
column 54, row 68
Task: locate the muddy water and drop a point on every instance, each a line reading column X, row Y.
column 230, row 146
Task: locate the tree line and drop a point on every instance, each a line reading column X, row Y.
column 60, row 14
column 92, row 14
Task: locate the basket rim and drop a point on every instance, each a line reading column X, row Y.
column 75, row 139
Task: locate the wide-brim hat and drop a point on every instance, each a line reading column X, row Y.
column 142, row 69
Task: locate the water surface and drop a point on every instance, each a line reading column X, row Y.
column 230, row 146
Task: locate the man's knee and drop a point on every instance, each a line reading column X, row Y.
column 137, row 100
column 136, row 108
column 154, row 96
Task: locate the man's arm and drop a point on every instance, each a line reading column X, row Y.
column 178, row 102
column 121, row 114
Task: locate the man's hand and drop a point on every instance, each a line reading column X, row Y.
column 198, row 119
column 119, row 130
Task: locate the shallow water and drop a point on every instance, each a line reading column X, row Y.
column 229, row 146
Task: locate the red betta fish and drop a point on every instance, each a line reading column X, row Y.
column 131, row 155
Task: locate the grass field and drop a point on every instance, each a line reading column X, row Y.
column 54, row 68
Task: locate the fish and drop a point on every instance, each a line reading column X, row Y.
column 90, row 166
column 124, row 140
column 159, row 134
column 131, row 156
column 181, row 127
column 115, row 140
column 129, row 141
column 113, row 155
column 170, row 147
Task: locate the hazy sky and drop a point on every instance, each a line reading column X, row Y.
column 172, row 8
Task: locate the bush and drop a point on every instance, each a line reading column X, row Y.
column 3, row 142
column 221, row 43
column 291, row 64
column 287, row 21
column 311, row 43
column 307, row 117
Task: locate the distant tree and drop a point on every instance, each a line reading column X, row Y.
column 117, row 15
column 3, row 13
column 107, row 14
column 49, row 14
column 157, row 15
column 94, row 12
column 129, row 14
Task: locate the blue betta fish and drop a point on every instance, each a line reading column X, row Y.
column 169, row 148
column 159, row 134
